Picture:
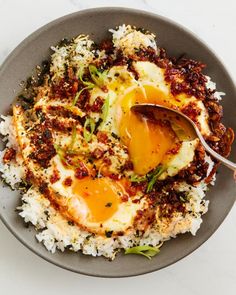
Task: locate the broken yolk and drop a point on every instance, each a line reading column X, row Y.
column 101, row 195
column 147, row 142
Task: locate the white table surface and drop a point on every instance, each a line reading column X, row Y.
column 209, row 270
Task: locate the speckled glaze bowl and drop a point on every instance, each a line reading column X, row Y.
column 177, row 40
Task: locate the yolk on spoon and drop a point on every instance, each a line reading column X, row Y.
column 147, row 142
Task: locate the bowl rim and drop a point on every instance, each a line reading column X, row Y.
column 79, row 13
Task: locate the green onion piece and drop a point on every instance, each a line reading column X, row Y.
column 154, row 176
column 147, row 251
column 97, row 76
column 105, row 110
column 78, row 94
column 73, row 138
column 58, row 149
column 136, row 178
column 87, row 83
column 182, row 199
column 89, row 123
column 60, row 153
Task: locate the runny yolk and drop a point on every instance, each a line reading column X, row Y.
column 101, row 195
column 147, row 142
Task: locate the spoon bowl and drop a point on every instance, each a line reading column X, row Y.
column 157, row 112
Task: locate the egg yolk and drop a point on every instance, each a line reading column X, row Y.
column 101, row 195
column 147, row 142
column 155, row 95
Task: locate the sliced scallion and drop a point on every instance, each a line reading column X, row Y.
column 154, row 176
column 105, row 110
column 73, row 138
column 136, row 178
column 145, row 250
column 79, row 93
column 89, row 124
column 60, row 153
column 87, row 83
column 97, row 76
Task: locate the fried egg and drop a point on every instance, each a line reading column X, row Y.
column 147, row 142
column 95, row 204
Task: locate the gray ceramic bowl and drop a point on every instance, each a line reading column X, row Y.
column 176, row 40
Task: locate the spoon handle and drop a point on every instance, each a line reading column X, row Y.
column 214, row 154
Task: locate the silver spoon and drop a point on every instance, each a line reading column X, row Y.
column 154, row 111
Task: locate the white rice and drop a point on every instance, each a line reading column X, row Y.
column 77, row 54
column 212, row 86
column 8, row 131
column 128, row 40
column 210, row 167
column 13, row 172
